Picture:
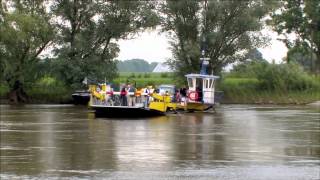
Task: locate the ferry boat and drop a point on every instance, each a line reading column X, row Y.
column 199, row 96
column 81, row 97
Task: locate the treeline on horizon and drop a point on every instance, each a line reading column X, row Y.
column 136, row 65
column 47, row 49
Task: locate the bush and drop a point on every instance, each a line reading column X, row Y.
column 4, row 90
column 285, row 77
column 164, row 75
column 247, row 69
column 133, row 75
column 49, row 89
column 146, row 75
column 276, row 77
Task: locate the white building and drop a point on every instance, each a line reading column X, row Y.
column 162, row 67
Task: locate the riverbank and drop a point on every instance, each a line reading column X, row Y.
column 250, row 91
column 271, row 98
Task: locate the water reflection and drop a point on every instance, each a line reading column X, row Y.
column 70, row 141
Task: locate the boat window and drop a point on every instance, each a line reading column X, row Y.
column 207, row 83
column 211, row 83
column 163, row 90
column 199, row 83
column 190, row 83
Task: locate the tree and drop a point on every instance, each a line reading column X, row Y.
column 303, row 56
column 24, row 33
column 226, row 30
column 301, row 17
column 181, row 20
column 89, row 31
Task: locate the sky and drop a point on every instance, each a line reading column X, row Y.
column 153, row 46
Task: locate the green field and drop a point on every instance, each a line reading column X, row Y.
column 144, row 79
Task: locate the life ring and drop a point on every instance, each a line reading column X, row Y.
column 193, row 95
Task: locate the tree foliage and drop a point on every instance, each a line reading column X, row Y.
column 82, row 36
column 89, row 30
column 229, row 29
column 304, row 56
column 301, row 17
column 24, row 33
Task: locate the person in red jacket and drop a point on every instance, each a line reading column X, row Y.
column 123, row 96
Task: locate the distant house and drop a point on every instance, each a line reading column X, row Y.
column 162, row 67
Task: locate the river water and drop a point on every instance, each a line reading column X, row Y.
column 236, row 142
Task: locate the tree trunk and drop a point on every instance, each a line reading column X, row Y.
column 17, row 94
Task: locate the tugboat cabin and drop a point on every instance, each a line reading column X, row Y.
column 201, row 88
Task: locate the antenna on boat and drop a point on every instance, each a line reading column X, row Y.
column 204, row 60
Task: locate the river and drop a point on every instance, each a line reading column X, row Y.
column 236, row 142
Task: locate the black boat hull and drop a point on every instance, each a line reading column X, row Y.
column 81, row 97
column 122, row 111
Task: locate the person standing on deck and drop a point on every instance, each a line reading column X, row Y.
column 130, row 95
column 138, row 95
column 123, row 96
column 147, row 96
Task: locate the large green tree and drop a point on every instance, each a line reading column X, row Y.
column 88, row 31
column 226, row 29
column 24, row 34
column 301, row 17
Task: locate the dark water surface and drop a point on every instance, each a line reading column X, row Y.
column 236, row 142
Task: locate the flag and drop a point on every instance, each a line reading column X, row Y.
column 85, row 81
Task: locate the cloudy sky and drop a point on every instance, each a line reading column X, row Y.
column 153, row 46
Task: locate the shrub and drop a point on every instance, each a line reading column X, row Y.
column 49, row 89
column 133, row 75
column 276, row 77
column 285, row 77
column 4, row 89
column 146, row 75
column 164, row 75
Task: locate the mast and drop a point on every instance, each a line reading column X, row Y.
column 203, row 59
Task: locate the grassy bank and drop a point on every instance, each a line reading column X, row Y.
column 247, row 91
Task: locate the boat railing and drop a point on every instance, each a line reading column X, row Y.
column 115, row 99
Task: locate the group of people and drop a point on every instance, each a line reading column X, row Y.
column 130, row 96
